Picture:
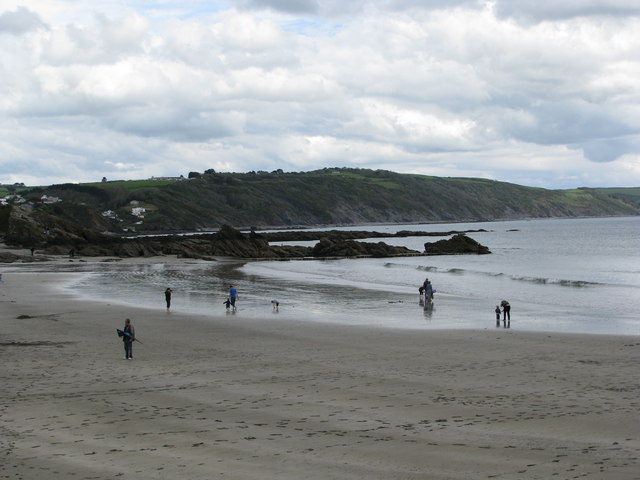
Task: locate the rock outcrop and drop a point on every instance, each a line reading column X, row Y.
column 57, row 236
column 349, row 248
column 458, row 244
column 309, row 235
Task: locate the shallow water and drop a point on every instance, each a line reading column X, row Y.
column 569, row 275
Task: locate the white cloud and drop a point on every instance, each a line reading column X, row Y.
column 20, row 21
column 550, row 10
column 541, row 93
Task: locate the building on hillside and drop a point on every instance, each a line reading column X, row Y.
column 138, row 212
column 177, row 179
column 50, row 199
column 109, row 214
column 12, row 198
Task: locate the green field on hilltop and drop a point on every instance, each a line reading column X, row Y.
column 133, row 185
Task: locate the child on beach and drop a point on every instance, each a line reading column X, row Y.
column 167, row 297
column 497, row 315
column 227, row 303
column 233, row 296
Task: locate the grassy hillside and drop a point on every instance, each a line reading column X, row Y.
column 628, row 195
column 328, row 196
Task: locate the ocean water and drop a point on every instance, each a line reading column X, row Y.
column 564, row 275
column 561, row 275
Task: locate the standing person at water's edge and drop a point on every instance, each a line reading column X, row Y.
column 428, row 292
column 128, row 339
column 167, row 297
column 498, row 315
column 233, row 296
column 506, row 314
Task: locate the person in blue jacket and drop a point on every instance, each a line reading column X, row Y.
column 128, row 338
column 428, row 291
column 233, row 296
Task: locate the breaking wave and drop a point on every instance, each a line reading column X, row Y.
column 556, row 281
column 517, row 278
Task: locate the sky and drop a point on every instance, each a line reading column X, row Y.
column 540, row 93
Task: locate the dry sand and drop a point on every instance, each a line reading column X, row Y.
column 236, row 398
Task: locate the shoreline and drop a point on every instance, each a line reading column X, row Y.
column 402, row 316
column 47, row 288
column 246, row 398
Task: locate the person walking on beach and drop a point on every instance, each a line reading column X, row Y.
column 167, row 297
column 233, row 296
column 128, row 338
column 498, row 315
column 506, row 313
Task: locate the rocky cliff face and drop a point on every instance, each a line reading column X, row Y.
column 323, row 197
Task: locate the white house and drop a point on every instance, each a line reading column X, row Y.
column 50, row 199
column 138, row 211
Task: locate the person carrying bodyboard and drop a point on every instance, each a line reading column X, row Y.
column 128, row 335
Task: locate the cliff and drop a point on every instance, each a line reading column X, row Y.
column 322, row 197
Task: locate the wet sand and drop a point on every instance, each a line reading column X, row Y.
column 237, row 398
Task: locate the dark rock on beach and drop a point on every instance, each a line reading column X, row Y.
column 229, row 242
column 60, row 236
column 350, row 248
column 309, row 235
column 458, row 244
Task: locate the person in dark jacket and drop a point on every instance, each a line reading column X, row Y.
column 167, row 297
column 128, row 338
column 506, row 313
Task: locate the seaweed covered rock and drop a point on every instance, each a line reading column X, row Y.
column 227, row 232
column 349, row 248
column 458, row 244
column 229, row 242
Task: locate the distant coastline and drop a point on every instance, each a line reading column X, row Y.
column 73, row 214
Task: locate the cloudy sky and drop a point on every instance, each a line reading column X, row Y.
column 543, row 93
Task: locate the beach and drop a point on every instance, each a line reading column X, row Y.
column 223, row 396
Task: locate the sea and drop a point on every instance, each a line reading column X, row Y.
column 559, row 275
